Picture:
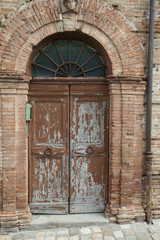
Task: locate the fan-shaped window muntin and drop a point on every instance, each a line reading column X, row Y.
column 68, row 58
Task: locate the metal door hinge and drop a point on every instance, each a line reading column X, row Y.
column 28, row 112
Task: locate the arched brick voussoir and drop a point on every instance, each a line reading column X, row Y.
column 30, row 24
column 34, row 39
column 121, row 33
column 103, row 39
column 21, row 24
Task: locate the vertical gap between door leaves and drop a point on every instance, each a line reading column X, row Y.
column 69, row 155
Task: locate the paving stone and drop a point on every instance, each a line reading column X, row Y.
column 50, row 238
column 97, row 235
column 17, row 237
column 85, row 231
column 127, row 232
column 136, row 231
column 97, row 238
column 154, row 228
column 74, row 237
column 115, row 227
column 108, row 228
column 143, row 236
column 86, row 237
column 30, row 235
column 149, row 230
column 40, row 234
column 5, row 237
column 156, row 236
column 50, row 233
column 156, row 221
column 96, row 229
column 62, row 238
column 120, row 238
column 125, row 226
column 139, row 227
column 118, row 234
column 107, row 231
column 132, row 237
column 74, row 231
column 30, row 238
column 63, row 233
column 109, row 238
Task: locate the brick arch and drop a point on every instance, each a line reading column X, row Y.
column 30, row 24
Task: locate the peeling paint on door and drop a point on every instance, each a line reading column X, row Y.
column 54, row 187
column 49, row 149
column 88, row 149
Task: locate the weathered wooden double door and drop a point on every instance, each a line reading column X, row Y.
column 68, row 148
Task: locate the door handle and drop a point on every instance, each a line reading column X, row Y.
column 89, row 150
column 48, row 152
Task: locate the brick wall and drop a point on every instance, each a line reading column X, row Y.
column 125, row 140
column 136, row 15
column 7, row 6
column 1, row 171
column 14, row 166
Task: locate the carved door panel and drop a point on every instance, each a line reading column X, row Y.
column 88, row 146
column 49, row 149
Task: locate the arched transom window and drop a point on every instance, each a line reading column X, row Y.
column 68, row 58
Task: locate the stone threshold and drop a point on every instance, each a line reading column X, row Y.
column 46, row 221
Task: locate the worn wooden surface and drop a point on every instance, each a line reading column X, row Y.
column 88, row 165
column 49, row 149
column 68, row 148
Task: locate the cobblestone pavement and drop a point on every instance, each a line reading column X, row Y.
column 110, row 231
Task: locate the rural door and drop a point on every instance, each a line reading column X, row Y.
column 68, row 148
